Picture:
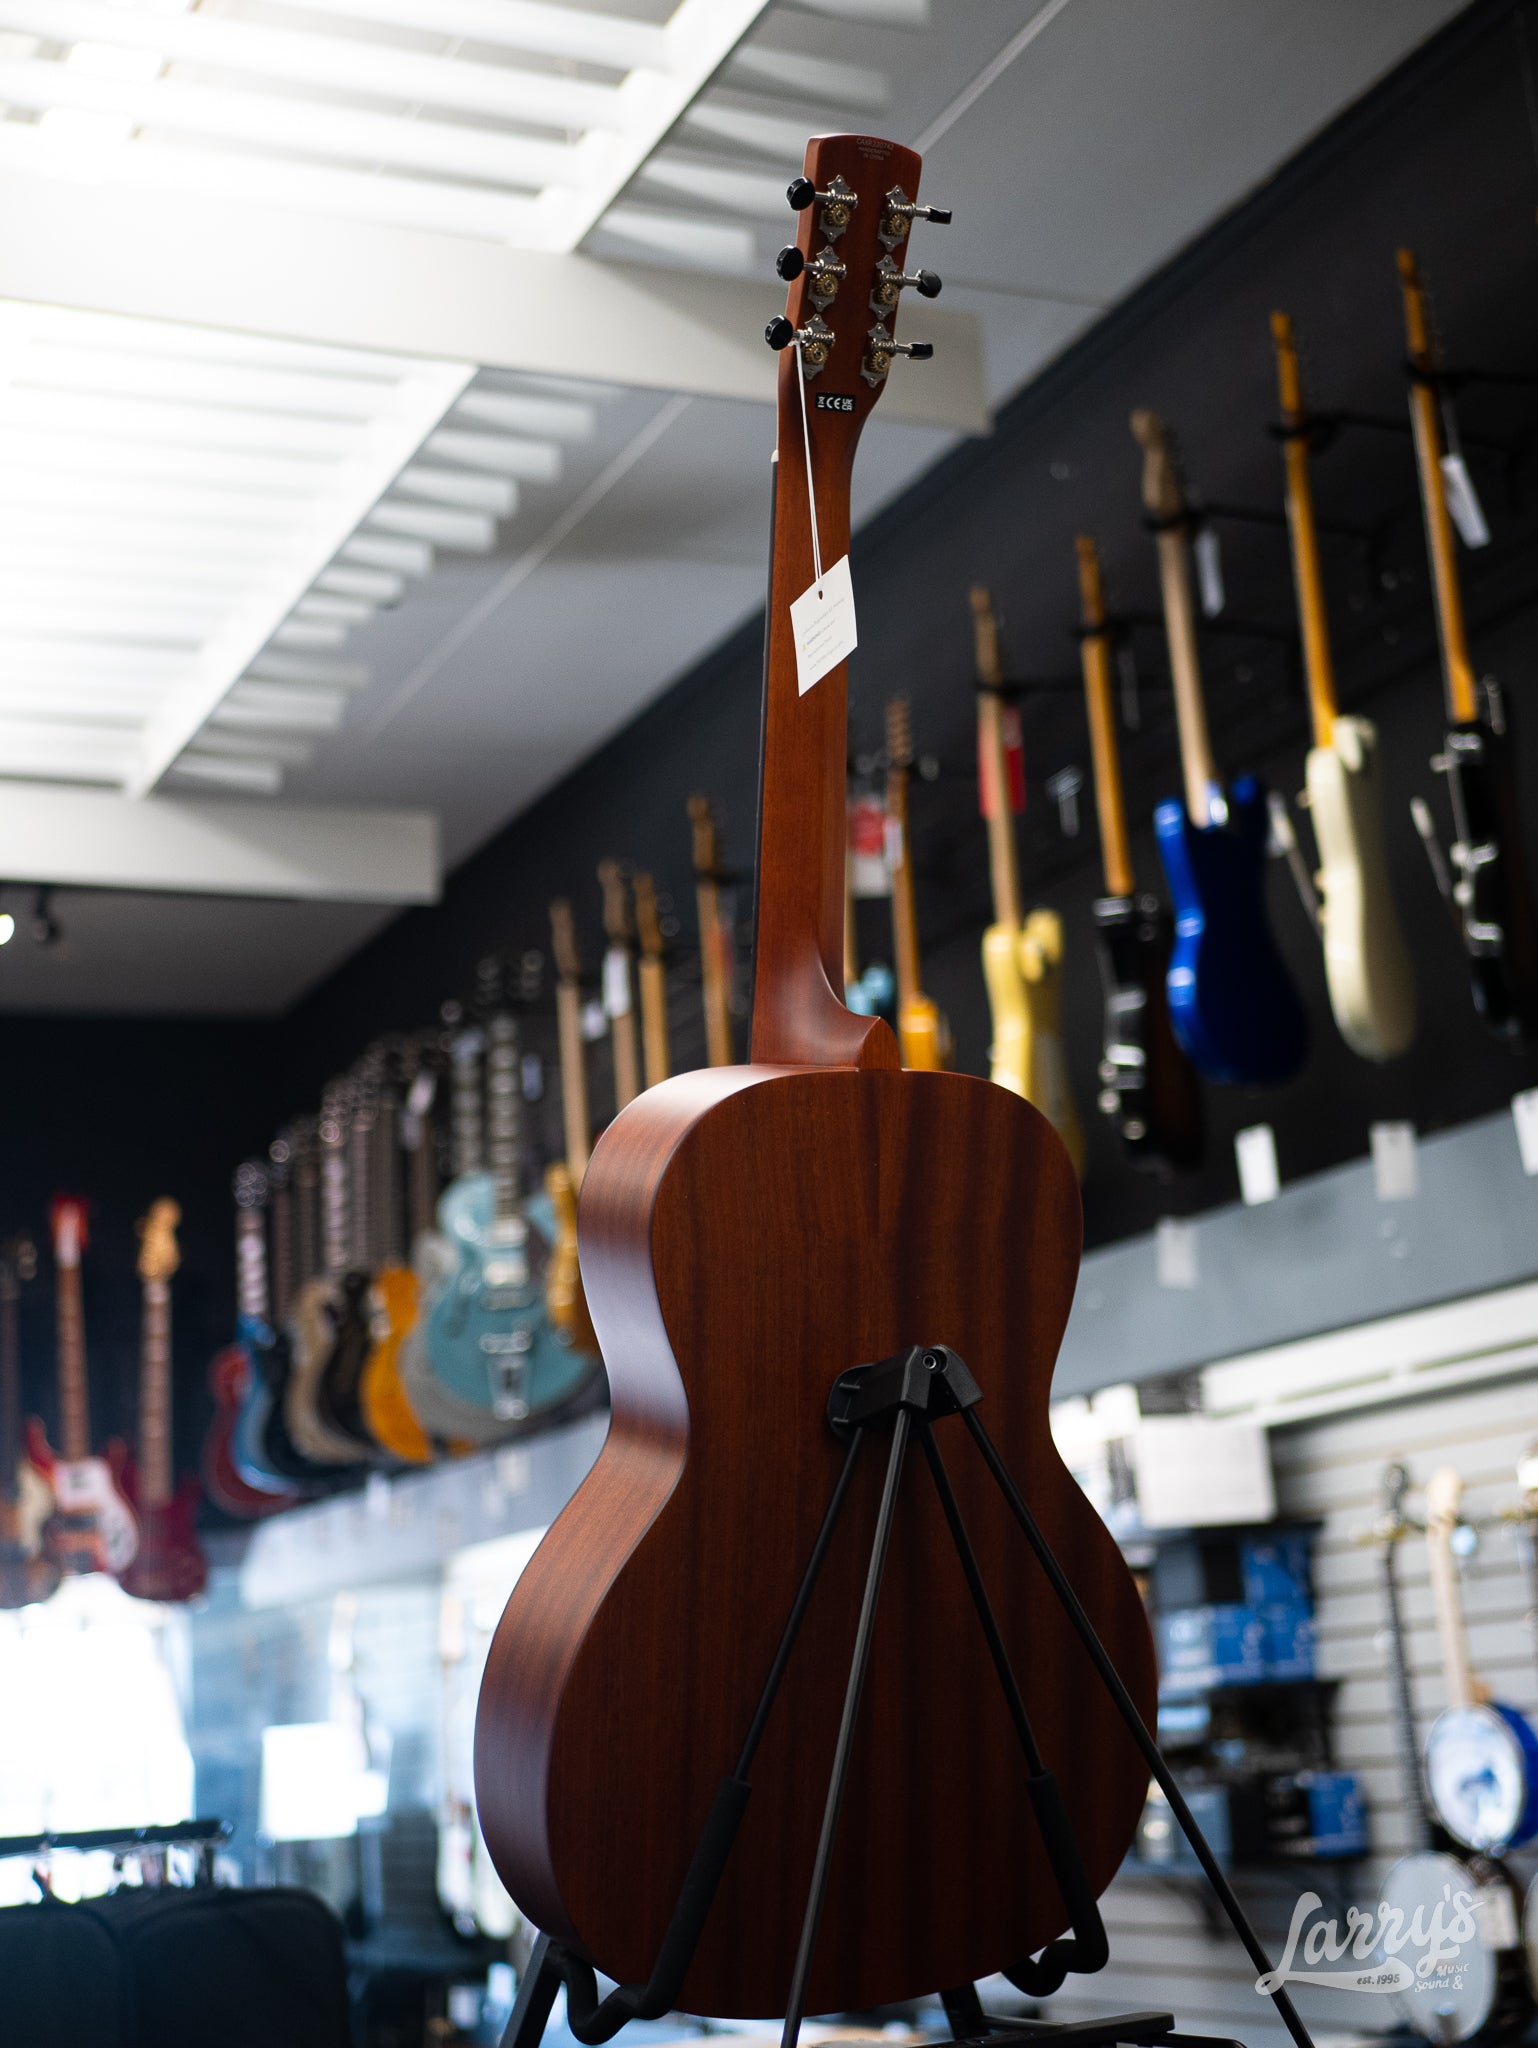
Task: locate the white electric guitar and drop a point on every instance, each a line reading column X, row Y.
column 1366, row 964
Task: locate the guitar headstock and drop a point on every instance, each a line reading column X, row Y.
column 707, row 850
column 1444, row 1500
column 846, row 278
column 159, row 1253
column 616, row 912
column 899, row 736
column 563, row 942
column 1417, row 322
column 1164, row 496
column 18, row 1262
column 253, row 1181
column 985, row 638
column 648, row 921
column 1289, row 377
column 1091, row 592
column 68, row 1226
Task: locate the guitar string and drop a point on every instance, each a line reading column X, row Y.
column 806, row 442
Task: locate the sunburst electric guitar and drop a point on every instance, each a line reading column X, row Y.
column 1366, row 963
column 922, row 1031
column 1022, row 955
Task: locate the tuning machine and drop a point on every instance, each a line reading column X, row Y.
column 884, row 351
column 838, row 203
column 815, row 339
column 824, row 273
column 891, row 280
column 899, row 213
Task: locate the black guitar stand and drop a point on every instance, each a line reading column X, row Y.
column 908, row 1393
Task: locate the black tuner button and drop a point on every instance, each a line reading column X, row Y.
column 928, row 285
column 780, row 332
column 790, row 262
column 940, row 215
column 921, row 352
column 800, row 192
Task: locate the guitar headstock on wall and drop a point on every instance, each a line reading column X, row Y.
column 707, row 846
column 846, row 277
column 647, row 917
column 18, row 1263
column 563, row 943
column 68, row 1226
column 159, row 1253
column 899, row 736
column 616, row 912
column 1164, row 497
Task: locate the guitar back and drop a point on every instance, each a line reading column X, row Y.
column 1371, row 981
column 1232, row 1005
column 1148, row 1087
column 768, row 1283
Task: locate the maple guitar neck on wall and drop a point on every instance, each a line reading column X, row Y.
column 652, row 971
column 1492, row 900
column 715, row 940
column 169, row 1564
column 618, row 996
column 921, row 1030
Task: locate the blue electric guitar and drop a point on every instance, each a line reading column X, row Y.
column 1232, row 1007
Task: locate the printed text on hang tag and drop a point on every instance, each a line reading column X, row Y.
column 822, row 620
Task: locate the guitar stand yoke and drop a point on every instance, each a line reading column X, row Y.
column 910, row 1391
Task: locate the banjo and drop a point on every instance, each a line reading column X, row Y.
column 1480, row 1987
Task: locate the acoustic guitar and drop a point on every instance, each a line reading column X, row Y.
column 1232, row 1006
column 618, row 984
column 26, row 1501
column 1148, row 1088
column 1366, row 964
column 922, row 1033
column 1492, row 895
column 92, row 1527
column 1022, row 955
column 748, row 1234
column 652, row 972
column 565, row 1301
column 715, row 938
column 169, row 1563
column 383, row 1398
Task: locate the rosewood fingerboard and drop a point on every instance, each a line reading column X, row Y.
column 156, row 1474
column 74, row 1397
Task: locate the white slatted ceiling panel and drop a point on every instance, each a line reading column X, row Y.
column 1166, row 1951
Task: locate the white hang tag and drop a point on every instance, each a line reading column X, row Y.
column 1524, row 1112
column 1463, row 505
column 1175, row 1253
column 1209, row 571
column 1259, row 1178
column 892, row 834
column 595, row 1020
column 1395, row 1175
column 616, row 982
column 822, row 620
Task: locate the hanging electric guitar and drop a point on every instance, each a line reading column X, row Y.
column 1478, row 1988
column 1366, row 964
column 748, row 1234
column 1022, row 958
column 618, row 984
column 715, row 938
column 1148, row 1088
column 339, row 1389
column 26, row 1501
column 565, row 1301
column 1481, row 1756
column 1492, row 895
column 239, row 1474
column 325, row 1303
column 384, row 1401
column 922, row 1033
column 92, row 1527
column 652, row 972
column 169, row 1563
column 1232, row 1006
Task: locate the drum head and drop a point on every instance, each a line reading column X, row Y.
column 1476, row 1774
column 1429, row 1924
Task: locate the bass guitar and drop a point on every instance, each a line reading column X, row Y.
column 1492, row 896
column 1477, row 1989
column 92, row 1527
column 1022, row 957
column 384, row 1403
column 1481, row 1755
column 618, row 984
column 169, row 1563
column 922, row 1033
column 715, row 937
column 26, row 1501
column 749, row 1234
column 1232, row 1006
column 1366, row 963
column 652, row 973
column 1148, row 1088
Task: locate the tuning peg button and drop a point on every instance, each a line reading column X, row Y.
column 815, row 338
column 884, row 351
column 790, row 262
column 824, row 273
column 899, row 213
column 838, row 203
column 890, row 282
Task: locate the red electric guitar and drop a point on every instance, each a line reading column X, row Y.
column 92, row 1528
column 170, row 1564
column 750, row 1235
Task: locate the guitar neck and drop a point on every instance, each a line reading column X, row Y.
column 905, row 923
column 282, row 1272
column 1303, row 528
column 715, row 977
column 654, row 1019
column 998, row 812
column 156, row 1473
column 422, row 1177
column 10, row 1392
column 335, row 1207
column 1110, row 800
column 575, row 1122
column 251, row 1288
column 504, row 1122
column 74, row 1396
column 1457, row 667
column 622, row 1027
column 361, row 1246
column 1406, row 1738
column 468, row 1123
column 1462, row 1690
column 388, row 1247
column 1198, row 767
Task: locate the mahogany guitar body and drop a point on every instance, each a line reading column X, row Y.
column 756, row 1276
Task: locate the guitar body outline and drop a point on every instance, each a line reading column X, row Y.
column 93, row 1527
column 892, row 1248
column 1149, row 1088
column 383, row 1400
column 1233, row 1008
column 338, row 1389
column 27, row 1573
column 169, row 1564
column 312, row 1338
column 230, row 1371
column 1366, row 962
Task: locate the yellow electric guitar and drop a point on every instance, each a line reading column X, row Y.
column 923, row 1033
column 565, row 1301
column 1022, row 956
column 715, row 940
column 397, row 1299
column 652, row 972
column 618, row 987
column 1366, row 964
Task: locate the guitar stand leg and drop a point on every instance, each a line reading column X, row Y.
column 540, row 1982
column 1126, row 1706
